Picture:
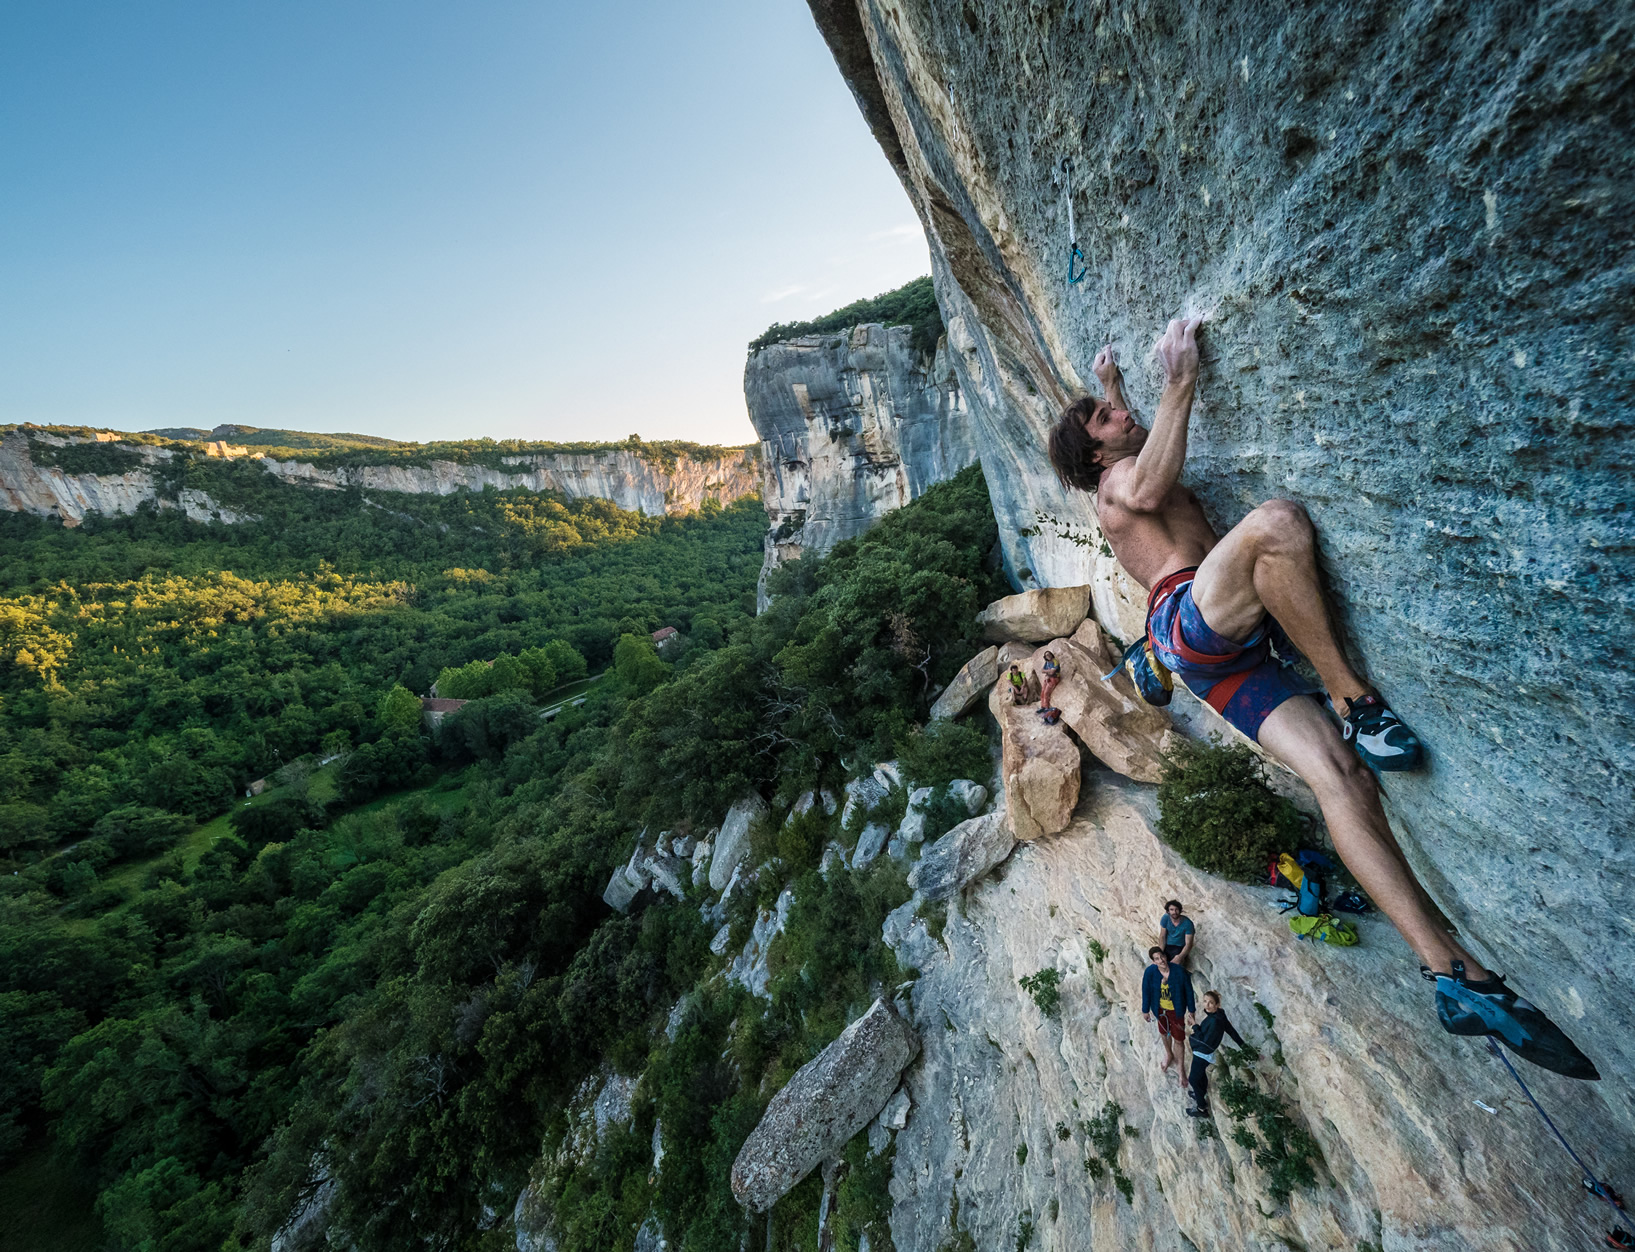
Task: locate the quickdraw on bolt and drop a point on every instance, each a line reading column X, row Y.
column 1076, row 266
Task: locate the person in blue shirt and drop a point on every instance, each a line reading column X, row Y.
column 1166, row 996
column 1178, row 932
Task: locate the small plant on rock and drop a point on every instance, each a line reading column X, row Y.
column 1045, row 988
column 1102, row 1131
column 1284, row 1149
column 1216, row 809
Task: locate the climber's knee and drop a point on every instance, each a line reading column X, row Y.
column 1339, row 773
column 1282, row 526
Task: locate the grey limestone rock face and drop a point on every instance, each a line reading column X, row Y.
column 731, row 845
column 1408, row 228
column 961, row 856
column 829, row 1100
column 852, row 424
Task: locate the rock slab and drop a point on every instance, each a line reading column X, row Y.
column 731, row 846
column 829, row 1100
column 1034, row 616
column 968, row 686
column 962, row 856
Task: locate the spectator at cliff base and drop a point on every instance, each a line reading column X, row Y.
column 1206, row 1041
column 1179, row 932
column 1166, row 996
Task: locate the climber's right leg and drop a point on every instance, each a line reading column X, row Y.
column 1267, row 563
column 1470, row 1000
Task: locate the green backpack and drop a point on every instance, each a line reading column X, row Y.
column 1326, row 928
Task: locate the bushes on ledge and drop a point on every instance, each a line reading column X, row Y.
column 1216, row 809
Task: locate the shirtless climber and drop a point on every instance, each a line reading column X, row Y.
column 1218, row 606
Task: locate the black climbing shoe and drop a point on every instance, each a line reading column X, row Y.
column 1380, row 736
column 1490, row 1008
column 1198, row 1110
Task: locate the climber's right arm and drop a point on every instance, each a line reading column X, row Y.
column 1146, row 486
column 1112, row 378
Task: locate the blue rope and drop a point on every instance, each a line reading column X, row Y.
column 1597, row 1187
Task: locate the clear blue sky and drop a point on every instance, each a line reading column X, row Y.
column 424, row 220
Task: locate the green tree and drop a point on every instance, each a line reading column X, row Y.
column 400, row 711
column 636, row 662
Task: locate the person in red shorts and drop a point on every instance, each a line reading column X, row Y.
column 1166, row 995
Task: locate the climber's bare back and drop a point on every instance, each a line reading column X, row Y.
column 1150, row 544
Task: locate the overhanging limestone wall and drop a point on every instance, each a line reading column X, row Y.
column 1408, row 225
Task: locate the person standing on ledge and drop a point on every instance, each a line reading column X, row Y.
column 1178, row 932
column 1214, row 611
column 1166, row 997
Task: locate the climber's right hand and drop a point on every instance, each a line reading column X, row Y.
column 1178, row 350
column 1148, row 1016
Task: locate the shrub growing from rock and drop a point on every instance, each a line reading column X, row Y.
column 1046, row 989
column 1216, row 809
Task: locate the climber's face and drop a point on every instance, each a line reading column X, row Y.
column 1116, row 431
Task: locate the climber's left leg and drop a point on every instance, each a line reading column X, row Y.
column 1298, row 733
column 1470, row 1000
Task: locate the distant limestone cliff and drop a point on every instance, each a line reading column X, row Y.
column 853, row 423
column 68, row 475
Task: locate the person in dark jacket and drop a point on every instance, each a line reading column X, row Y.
column 1166, row 995
column 1207, row 1038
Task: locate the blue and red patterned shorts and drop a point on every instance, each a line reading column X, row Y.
column 1243, row 682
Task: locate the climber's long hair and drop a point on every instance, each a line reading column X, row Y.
column 1072, row 450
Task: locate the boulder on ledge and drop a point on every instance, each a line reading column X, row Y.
column 1119, row 728
column 1040, row 766
column 829, row 1100
column 1034, row 616
column 967, row 687
column 963, row 855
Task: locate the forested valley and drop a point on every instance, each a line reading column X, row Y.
column 380, row 981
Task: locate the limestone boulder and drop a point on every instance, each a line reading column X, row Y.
column 973, row 795
column 962, row 856
column 732, row 844
column 828, row 1101
column 665, row 873
column 1033, row 616
column 912, row 829
column 1040, row 766
column 862, row 794
column 620, row 891
column 968, row 686
column 1119, row 728
column 869, row 844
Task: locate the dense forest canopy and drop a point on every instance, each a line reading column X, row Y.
column 387, row 1004
column 913, row 304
